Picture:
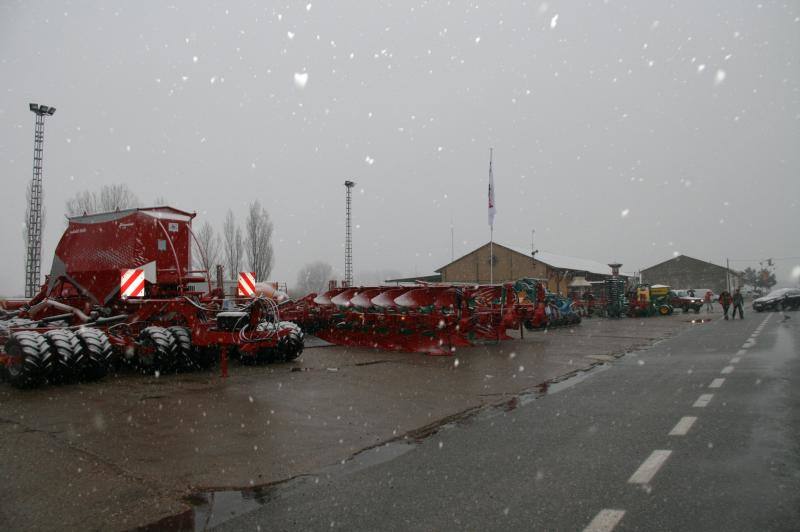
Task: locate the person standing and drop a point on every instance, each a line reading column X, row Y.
column 709, row 301
column 738, row 304
column 725, row 301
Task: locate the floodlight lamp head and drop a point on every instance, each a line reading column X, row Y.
column 51, row 111
column 43, row 109
column 349, row 184
column 34, row 107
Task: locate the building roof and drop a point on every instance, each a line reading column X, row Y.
column 558, row 262
column 679, row 257
column 420, row 278
column 156, row 212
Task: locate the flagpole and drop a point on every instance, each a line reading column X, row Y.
column 491, row 224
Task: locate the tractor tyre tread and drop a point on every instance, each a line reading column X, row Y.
column 165, row 348
column 66, row 358
column 33, row 348
column 97, row 351
column 184, row 351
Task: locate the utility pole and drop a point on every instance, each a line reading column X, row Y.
column 452, row 239
column 348, row 235
column 728, row 276
column 33, row 236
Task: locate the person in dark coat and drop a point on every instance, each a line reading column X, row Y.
column 725, row 300
column 738, row 304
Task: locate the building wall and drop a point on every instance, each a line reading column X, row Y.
column 686, row 272
column 510, row 265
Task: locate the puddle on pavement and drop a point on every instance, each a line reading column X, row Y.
column 214, row 507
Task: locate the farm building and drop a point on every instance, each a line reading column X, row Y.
column 687, row 272
column 510, row 265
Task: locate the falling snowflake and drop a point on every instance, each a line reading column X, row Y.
column 720, row 77
column 290, row 34
column 369, row 160
column 300, row 79
column 625, row 213
column 554, row 21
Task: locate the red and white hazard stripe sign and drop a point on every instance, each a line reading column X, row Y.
column 247, row 284
column 131, row 284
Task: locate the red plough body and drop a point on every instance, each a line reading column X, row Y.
column 433, row 319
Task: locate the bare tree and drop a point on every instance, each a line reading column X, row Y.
column 206, row 249
column 233, row 245
column 82, row 203
column 110, row 198
column 258, row 241
column 313, row 277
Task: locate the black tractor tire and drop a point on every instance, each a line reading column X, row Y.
column 67, row 359
column 156, row 350
column 184, row 351
column 97, row 352
column 665, row 310
column 289, row 347
column 30, row 350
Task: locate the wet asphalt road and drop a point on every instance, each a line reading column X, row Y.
column 598, row 452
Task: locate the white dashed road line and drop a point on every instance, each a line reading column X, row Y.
column 703, row 400
column 683, row 426
column 717, row 383
column 650, row 467
column 605, row 521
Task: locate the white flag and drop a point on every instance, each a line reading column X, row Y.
column 492, row 209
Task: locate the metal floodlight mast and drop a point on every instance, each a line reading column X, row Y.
column 33, row 258
column 348, row 236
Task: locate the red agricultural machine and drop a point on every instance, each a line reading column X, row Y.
column 432, row 319
column 81, row 323
column 120, row 291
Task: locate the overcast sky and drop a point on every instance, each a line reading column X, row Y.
column 627, row 131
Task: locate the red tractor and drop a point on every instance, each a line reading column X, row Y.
column 81, row 324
